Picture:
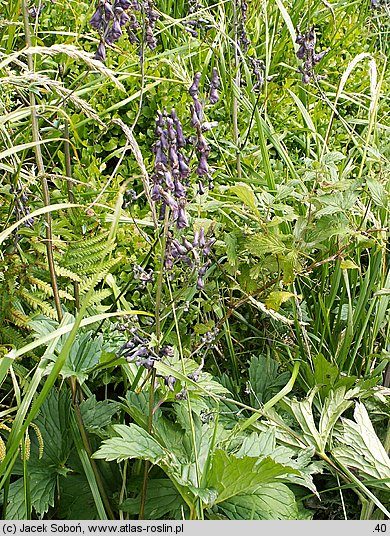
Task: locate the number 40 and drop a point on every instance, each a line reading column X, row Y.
column 380, row 527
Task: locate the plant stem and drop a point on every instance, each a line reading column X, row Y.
column 237, row 83
column 41, row 168
column 153, row 375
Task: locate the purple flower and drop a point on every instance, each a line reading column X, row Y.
column 193, row 91
column 214, row 98
column 198, row 108
column 182, row 220
column 201, row 189
column 201, row 238
column 101, row 52
column 115, row 33
column 173, row 156
column 207, row 248
column 180, row 191
column 194, row 117
column 200, row 283
column 183, row 167
column 203, row 167
column 181, row 249
column 170, row 382
column 169, row 201
column 97, row 18
column 169, row 181
column 108, row 10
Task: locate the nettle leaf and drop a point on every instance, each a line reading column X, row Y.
column 231, row 476
column 162, row 498
column 134, row 442
column 265, row 380
column 231, row 243
column 97, row 415
column 361, row 448
column 271, row 501
column 15, row 508
column 245, row 193
column 84, row 355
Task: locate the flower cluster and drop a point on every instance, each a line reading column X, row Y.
column 136, row 350
column 194, row 254
column 242, row 35
column 306, row 52
column 197, row 121
column 170, row 168
column 110, row 18
column 193, row 26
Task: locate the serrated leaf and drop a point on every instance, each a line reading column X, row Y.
column 272, row 501
column 277, row 298
column 231, row 248
column 325, row 373
column 265, row 381
column 134, row 442
column 231, row 476
column 361, row 447
column 84, row 355
column 245, row 193
column 378, row 192
column 162, row 498
column 97, row 415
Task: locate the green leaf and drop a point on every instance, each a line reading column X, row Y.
column 265, row 381
column 378, row 192
column 334, row 406
column 231, row 476
column 361, row 448
column 348, row 264
column 245, row 193
column 97, row 415
column 277, row 298
column 84, row 355
column 231, row 243
column 134, row 442
column 53, row 423
column 271, row 501
column 325, row 373
column 162, row 498
column 70, row 506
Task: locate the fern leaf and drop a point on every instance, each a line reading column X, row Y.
column 38, row 304
column 103, row 271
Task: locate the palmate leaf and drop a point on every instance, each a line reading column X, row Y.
column 162, row 499
column 245, row 193
column 85, row 354
column 53, row 423
column 361, row 448
column 264, row 444
column 271, row 501
column 97, row 414
column 265, row 381
column 134, row 442
column 231, row 476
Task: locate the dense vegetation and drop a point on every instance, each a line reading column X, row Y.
column 194, row 285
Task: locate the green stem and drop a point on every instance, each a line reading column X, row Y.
column 41, row 168
column 153, row 375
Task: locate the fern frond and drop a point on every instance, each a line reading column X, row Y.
column 100, row 295
column 90, row 261
column 9, row 335
column 65, row 272
column 103, row 271
column 38, row 304
column 18, row 318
